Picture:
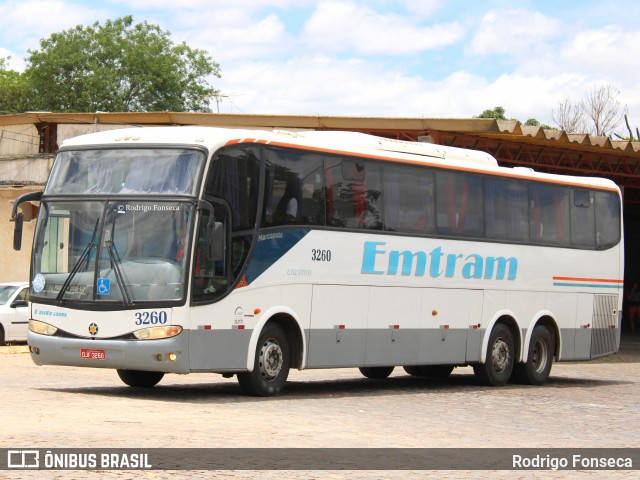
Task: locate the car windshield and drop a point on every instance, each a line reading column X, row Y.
column 126, row 171
column 5, row 293
column 118, row 252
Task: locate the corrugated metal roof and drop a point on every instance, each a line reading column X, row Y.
column 506, row 129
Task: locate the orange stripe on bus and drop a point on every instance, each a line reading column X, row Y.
column 429, row 164
column 578, row 279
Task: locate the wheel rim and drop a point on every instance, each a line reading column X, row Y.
column 500, row 355
column 539, row 356
column 271, row 359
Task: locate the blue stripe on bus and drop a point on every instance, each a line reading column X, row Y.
column 270, row 248
column 588, row 285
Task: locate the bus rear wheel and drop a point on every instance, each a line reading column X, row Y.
column 140, row 378
column 429, row 371
column 271, row 364
column 536, row 370
column 498, row 365
column 376, row 373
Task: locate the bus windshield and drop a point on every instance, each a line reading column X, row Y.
column 112, row 252
column 126, row 171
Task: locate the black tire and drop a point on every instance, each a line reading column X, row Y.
column 376, row 373
column 536, row 370
column 140, row 378
column 498, row 366
column 271, row 364
column 2, row 336
column 413, row 370
column 429, row 371
column 435, row 371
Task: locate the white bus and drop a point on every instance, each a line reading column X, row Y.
column 241, row 252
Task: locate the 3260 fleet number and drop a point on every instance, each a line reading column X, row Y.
column 319, row 255
column 152, row 317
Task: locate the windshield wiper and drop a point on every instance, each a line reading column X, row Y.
column 116, row 261
column 76, row 268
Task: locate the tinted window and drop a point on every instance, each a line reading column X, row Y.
column 583, row 230
column 607, row 219
column 409, row 199
column 234, row 177
column 549, row 214
column 354, row 192
column 120, row 170
column 506, row 214
column 294, row 188
column 459, row 200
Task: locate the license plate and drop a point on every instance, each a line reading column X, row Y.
column 93, row 354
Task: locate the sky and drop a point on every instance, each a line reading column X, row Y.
column 380, row 58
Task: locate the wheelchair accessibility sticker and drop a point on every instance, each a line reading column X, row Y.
column 104, row 286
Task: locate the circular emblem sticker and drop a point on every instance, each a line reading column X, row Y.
column 38, row 283
column 93, row 329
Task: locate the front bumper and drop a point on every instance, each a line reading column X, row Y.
column 149, row 355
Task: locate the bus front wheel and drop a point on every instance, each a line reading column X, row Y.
column 498, row 366
column 271, row 364
column 536, row 370
column 139, row 378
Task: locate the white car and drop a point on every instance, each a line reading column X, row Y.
column 14, row 312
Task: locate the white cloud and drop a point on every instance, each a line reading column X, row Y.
column 514, row 32
column 423, row 8
column 323, row 85
column 194, row 6
column 610, row 50
column 319, row 85
column 232, row 43
column 344, row 26
column 25, row 22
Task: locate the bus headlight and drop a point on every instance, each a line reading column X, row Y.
column 42, row 328
column 155, row 333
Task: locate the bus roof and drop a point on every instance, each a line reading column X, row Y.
column 336, row 142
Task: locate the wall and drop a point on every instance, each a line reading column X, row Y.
column 14, row 266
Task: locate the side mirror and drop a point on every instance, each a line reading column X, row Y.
column 215, row 240
column 19, row 302
column 17, row 231
column 19, row 217
column 216, row 234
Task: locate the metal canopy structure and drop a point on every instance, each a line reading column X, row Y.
column 512, row 143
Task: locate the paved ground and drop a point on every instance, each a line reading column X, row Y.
column 592, row 404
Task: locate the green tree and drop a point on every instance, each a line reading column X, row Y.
column 119, row 67
column 14, row 89
column 497, row 113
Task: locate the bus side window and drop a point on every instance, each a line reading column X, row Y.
column 354, row 193
column 459, row 200
column 549, row 214
column 506, row 214
column 409, row 204
column 294, row 191
column 583, row 228
column 607, row 219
